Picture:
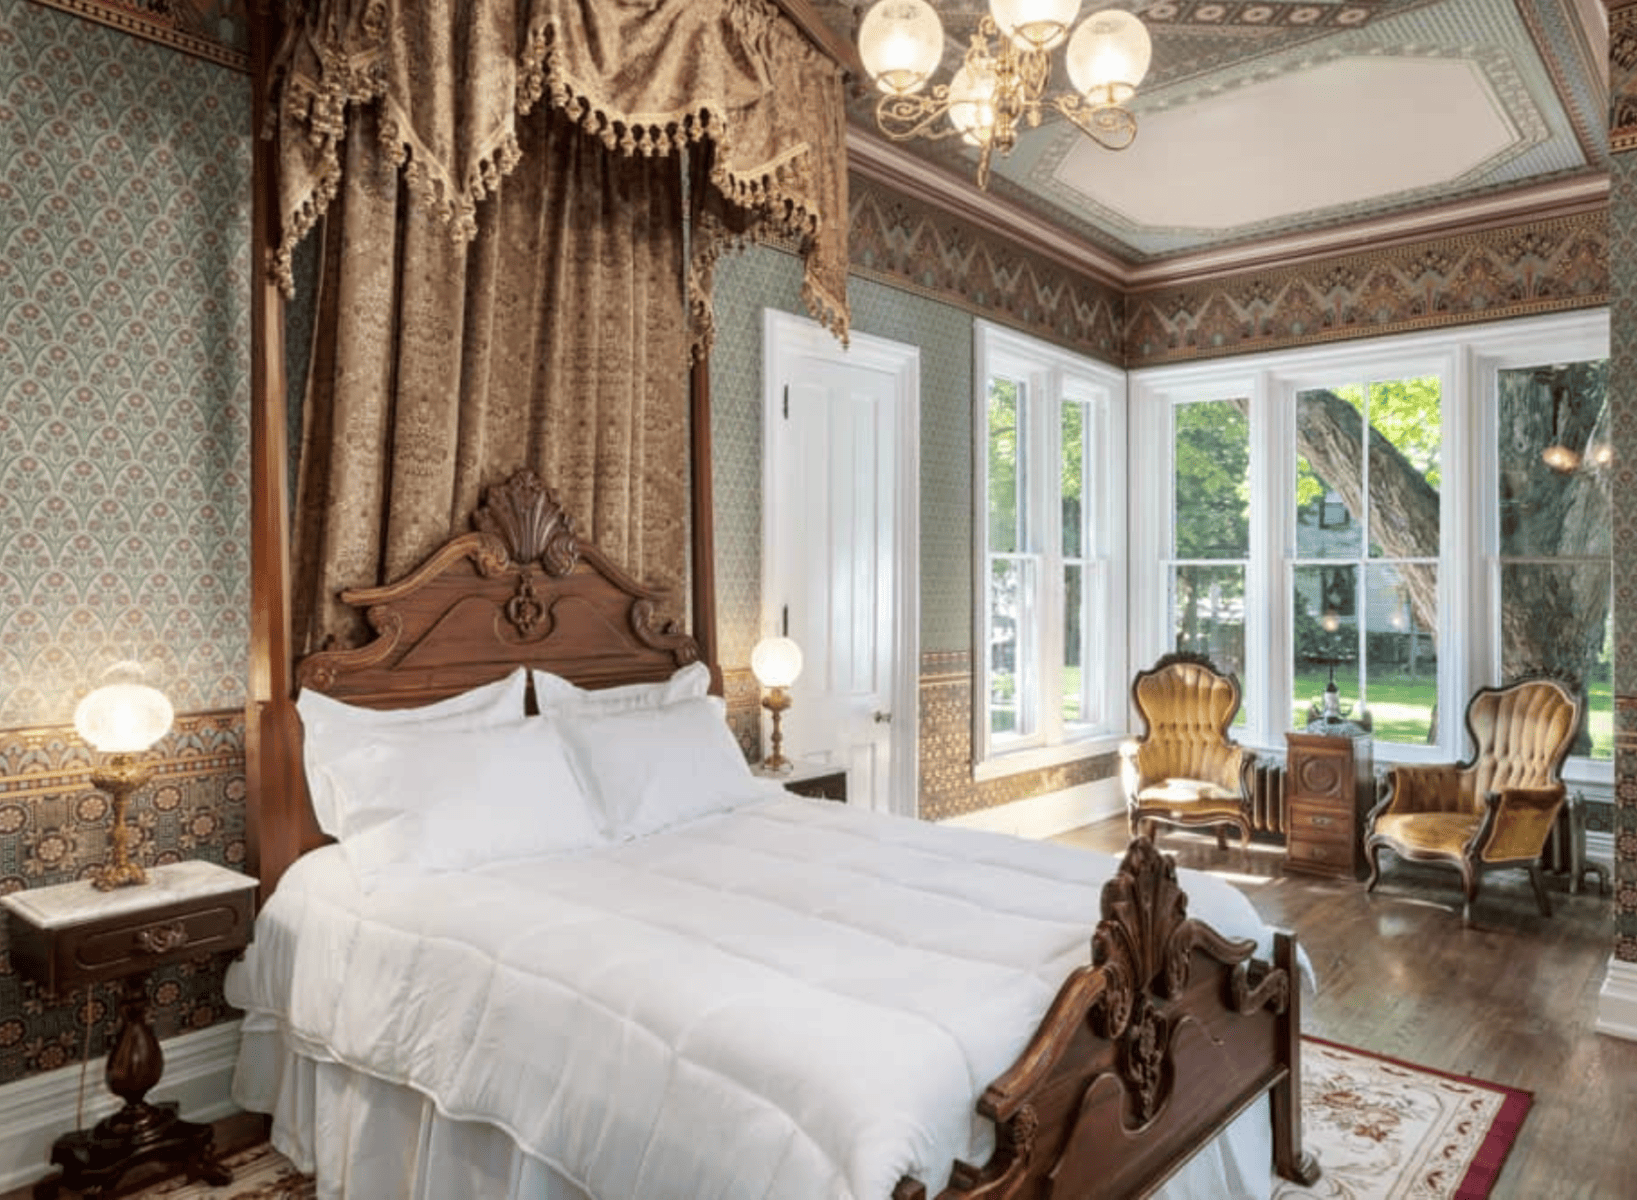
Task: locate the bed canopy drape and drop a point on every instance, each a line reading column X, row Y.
column 520, row 205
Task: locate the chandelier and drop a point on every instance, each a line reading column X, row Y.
column 1002, row 80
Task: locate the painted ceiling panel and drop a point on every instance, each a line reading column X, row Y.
column 1264, row 119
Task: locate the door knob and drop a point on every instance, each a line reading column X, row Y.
column 883, row 718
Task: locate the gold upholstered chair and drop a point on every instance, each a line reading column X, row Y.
column 1497, row 808
column 1183, row 769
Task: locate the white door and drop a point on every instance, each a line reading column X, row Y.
column 839, row 563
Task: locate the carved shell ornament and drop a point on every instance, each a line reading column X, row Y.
column 1145, row 936
column 528, row 519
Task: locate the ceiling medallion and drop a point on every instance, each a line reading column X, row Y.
column 1004, row 75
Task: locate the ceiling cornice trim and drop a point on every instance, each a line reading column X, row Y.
column 1545, row 201
column 878, row 160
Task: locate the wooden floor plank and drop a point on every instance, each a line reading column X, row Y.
column 1512, row 1000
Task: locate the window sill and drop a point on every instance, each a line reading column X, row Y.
column 1036, row 758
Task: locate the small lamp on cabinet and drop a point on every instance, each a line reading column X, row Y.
column 776, row 662
column 121, row 720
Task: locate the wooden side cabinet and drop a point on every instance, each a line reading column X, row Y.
column 1328, row 791
column 816, row 780
column 72, row 935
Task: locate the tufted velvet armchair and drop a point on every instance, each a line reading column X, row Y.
column 1184, row 769
column 1497, row 808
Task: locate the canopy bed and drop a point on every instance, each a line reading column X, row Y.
column 559, row 941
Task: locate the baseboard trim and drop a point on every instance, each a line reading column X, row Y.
column 1617, row 1002
column 36, row 1110
column 1050, row 814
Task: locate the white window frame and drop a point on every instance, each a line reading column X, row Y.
column 1468, row 359
column 1052, row 376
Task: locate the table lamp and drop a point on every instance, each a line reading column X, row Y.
column 120, row 720
column 776, row 662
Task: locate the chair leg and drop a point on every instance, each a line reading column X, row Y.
column 1470, row 878
column 1373, row 853
column 1540, row 890
column 1221, row 837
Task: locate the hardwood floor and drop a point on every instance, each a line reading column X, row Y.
column 1512, row 999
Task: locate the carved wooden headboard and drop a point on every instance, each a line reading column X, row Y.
column 520, row 589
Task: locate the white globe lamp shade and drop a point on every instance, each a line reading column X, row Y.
column 1034, row 24
column 123, row 718
column 972, row 104
column 1108, row 56
column 901, row 43
column 776, row 662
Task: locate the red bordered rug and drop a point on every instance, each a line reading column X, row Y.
column 1382, row 1128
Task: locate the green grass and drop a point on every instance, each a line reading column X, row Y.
column 1401, row 708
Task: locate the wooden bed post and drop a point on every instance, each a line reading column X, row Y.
column 702, row 515
column 269, row 716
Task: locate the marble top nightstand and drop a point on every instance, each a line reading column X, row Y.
column 72, row 935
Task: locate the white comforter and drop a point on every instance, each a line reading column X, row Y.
column 796, row 999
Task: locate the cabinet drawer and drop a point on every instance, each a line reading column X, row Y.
column 1317, row 820
column 107, row 948
column 1329, row 857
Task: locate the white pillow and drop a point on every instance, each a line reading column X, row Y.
column 556, row 696
column 454, row 799
column 649, row 768
column 331, row 726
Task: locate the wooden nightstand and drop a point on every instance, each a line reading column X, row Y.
column 1329, row 786
column 72, row 936
column 817, row 780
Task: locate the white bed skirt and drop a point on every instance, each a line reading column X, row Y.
column 370, row 1139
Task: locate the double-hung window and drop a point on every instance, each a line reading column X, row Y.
column 1050, row 522
column 1410, row 517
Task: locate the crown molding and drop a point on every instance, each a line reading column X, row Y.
column 876, row 159
column 881, row 162
column 1458, row 218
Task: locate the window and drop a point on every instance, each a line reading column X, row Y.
column 1472, row 542
column 1365, row 600
column 1050, row 610
column 1553, row 532
column 1210, row 535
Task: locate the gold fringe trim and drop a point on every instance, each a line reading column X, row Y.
column 774, row 191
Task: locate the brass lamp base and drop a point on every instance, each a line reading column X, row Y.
column 776, row 701
column 119, row 778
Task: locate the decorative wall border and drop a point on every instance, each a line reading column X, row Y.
column 947, row 787
column 1528, row 269
column 166, row 23
column 913, row 245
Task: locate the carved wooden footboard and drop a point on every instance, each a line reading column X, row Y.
column 1144, row 1056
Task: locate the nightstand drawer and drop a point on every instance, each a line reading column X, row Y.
column 821, row 787
column 1325, row 857
column 1320, row 820
column 110, row 947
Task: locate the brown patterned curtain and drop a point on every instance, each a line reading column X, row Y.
column 504, row 277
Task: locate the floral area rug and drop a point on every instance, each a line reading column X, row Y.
column 1387, row 1130
column 259, row 1173
column 1381, row 1129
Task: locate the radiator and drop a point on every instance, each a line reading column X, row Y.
column 1267, row 798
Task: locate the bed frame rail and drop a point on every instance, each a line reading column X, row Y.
column 1144, row 1056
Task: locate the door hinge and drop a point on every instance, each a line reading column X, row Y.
column 787, row 402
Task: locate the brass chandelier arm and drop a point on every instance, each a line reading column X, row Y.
column 1109, row 125
column 903, row 117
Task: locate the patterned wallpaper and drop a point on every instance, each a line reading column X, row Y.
column 1623, row 432
column 124, row 506
column 124, row 389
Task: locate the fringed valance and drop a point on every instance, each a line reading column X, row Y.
column 732, row 78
